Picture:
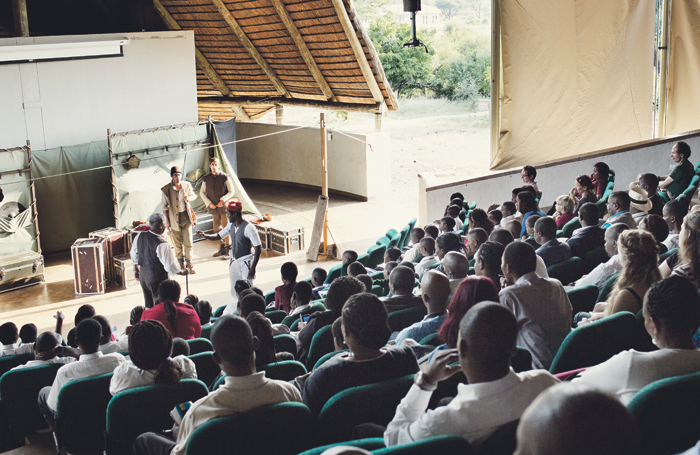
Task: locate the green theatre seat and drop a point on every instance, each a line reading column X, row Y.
column 286, row 343
column 367, row 444
column 607, row 288
column 286, row 370
column 594, row 258
column 19, row 390
column 321, row 344
column 567, row 271
column 207, row 368
column 400, row 319
column 376, row 255
column 443, row 445
column 198, row 345
column 583, row 298
column 275, row 316
column 327, row 357
column 333, row 273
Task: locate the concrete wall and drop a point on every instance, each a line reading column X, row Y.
column 295, row 157
column 75, row 101
column 555, row 178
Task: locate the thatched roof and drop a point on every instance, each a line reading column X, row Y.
column 253, row 55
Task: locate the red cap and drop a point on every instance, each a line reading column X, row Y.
column 234, row 206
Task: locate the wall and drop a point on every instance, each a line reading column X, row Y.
column 295, row 158
column 554, row 178
column 75, row 101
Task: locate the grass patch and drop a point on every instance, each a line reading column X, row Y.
column 427, row 107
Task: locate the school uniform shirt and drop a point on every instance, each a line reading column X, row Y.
column 474, row 414
column 114, row 346
column 127, row 375
column 38, row 363
column 412, row 253
column 425, row 263
column 12, row 349
column 86, row 366
column 238, row 394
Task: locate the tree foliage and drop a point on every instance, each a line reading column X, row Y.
column 449, row 8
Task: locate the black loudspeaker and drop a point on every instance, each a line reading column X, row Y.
column 411, row 5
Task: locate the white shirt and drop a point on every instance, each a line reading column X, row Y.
column 458, row 224
column 238, row 394
column 37, row 363
column 543, row 311
column 474, row 414
column 127, row 375
column 425, row 263
column 671, row 241
column 412, row 252
column 225, row 197
column 250, row 232
column 163, row 252
column 11, row 349
column 506, row 219
column 629, row 371
column 114, row 346
column 602, row 273
column 541, row 269
column 86, row 366
column 299, row 309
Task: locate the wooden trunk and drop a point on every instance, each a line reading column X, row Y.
column 117, row 242
column 21, row 270
column 89, row 266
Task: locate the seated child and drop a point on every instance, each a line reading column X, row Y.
column 495, row 217
column 366, row 281
column 180, row 347
column 453, row 211
column 427, row 247
column 27, row 333
column 318, row 278
column 356, row 268
column 447, row 224
column 530, row 226
column 283, row 293
column 413, row 248
column 431, row 231
column 301, row 297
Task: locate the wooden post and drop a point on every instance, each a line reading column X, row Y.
column 663, row 71
column 279, row 114
column 378, row 122
column 113, row 179
column 35, row 211
column 21, row 20
column 495, row 78
column 324, row 178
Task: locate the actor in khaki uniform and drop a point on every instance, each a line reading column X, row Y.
column 179, row 216
column 215, row 191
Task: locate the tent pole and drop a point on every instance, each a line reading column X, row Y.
column 33, row 192
column 113, row 178
column 324, row 179
column 663, row 77
column 495, row 78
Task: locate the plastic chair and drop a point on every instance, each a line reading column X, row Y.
column 207, row 369
column 280, row 429
column 376, row 255
column 327, row 357
column 367, row 444
column 400, row 319
column 583, row 298
column 275, row 316
column 666, row 414
column 607, row 288
column 502, row 442
column 568, row 229
column 374, row 403
column 443, row 445
column 286, row 343
column 333, row 273
column 198, row 345
column 383, row 241
column 286, row 370
column 593, row 258
column 81, row 412
column 391, row 233
column 19, row 389
column 431, row 340
column 567, row 271
column 403, row 240
column 142, row 409
column 412, row 224
column 595, row 343
column 321, row 344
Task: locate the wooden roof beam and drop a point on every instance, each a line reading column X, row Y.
column 359, row 53
column 19, row 9
column 248, row 45
column 334, row 106
column 201, row 60
column 303, row 49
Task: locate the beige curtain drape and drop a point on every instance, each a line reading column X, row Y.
column 577, row 77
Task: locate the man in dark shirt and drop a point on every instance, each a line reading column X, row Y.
column 401, row 283
column 676, row 182
column 589, row 236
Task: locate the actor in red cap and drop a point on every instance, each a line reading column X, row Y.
column 243, row 237
column 178, row 216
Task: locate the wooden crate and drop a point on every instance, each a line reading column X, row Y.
column 20, row 270
column 89, row 266
column 118, row 242
column 286, row 238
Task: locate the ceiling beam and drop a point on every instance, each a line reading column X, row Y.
column 19, row 8
column 303, row 49
column 333, row 106
column 359, row 52
column 248, row 45
column 201, row 60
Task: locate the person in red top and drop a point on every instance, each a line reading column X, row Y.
column 180, row 319
column 283, row 293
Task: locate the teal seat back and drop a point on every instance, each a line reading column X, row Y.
column 198, row 345
column 607, row 288
column 376, row 256
column 443, row 445
column 81, row 412
column 394, row 241
column 315, row 306
column 139, row 410
column 400, row 319
column 404, row 237
column 692, row 188
column 367, row 444
column 412, row 224
column 538, row 197
column 532, row 242
column 593, row 258
column 207, row 369
column 418, row 258
column 664, row 256
column 595, row 342
column 363, row 258
column 321, row 344
column 383, row 241
column 666, row 414
column 377, row 290
column 378, row 275
column 219, row 311
column 371, row 403
column 567, row 271
column 269, row 297
column 286, row 370
column 583, row 298
column 333, row 273
column 570, row 227
column 275, row 316
column 431, row 340
column 286, row 343
column 206, row 331
column 9, row 362
column 503, row 441
column 280, row 429
column 19, row 389
column 327, row 357
column 391, row 233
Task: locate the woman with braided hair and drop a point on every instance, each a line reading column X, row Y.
column 180, row 319
column 150, row 347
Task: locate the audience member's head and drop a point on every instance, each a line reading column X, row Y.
column 457, row 195
column 583, row 185
column 514, row 227
column 508, row 208
column 639, row 201
column 45, row 343
column 680, row 150
column 389, row 266
column 318, row 276
column 447, row 224
column 456, row 265
column 427, row 246
column 649, row 183
column 472, row 290
column 257, row 290
column 250, row 303
column 689, row 246
column 191, row 300
column 478, row 218
column 565, row 203
column 240, row 286
column 366, row 281
column 672, row 311
column 674, row 212
column 302, row 294
column 338, row 338
column 453, row 210
column 601, row 171
column 27, row 333
column 234, row 345
column 169, row 293
column 349, row 256
column 562, row 419
column 392, row 254
column 340, row 291
column 545, row 230
column 8, row 333
column 431, row 231
column 289, row 272
column 514, row 195
column 588, row 214
column 365, row 322
column 204, row 311
column 356, row 268
column 656, row 226
column 449, row 241
column 88, row 334
column 525, row 202
column 136, row 313
column 402, row 281
column 180, row 347
column 436, row 291
column 106, row 329
column 528, row 174
column 410, row 265
column 618, row 201
column 530, row 224
column 84, row 312
column 503, row 236
column 417, row 233
column 488, row 261
column 150, row 348
column 475, row 237
column 495, row 217
column 262, row 330
column 519, row 258
column 244, row 293
column 611, row 235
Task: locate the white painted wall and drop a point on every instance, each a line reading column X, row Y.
column 75, row 101
column 295, row 157
column 555, row 178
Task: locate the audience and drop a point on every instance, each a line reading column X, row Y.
column 28, row 333
column 401, row 283
column 564, row 210
column 540, row 305
column 355, row 269
column 494, row 395
column 204, row 312
column 505, row 238
column 283, row 292
column 584, row 191
column 530, row 227
column 472, row 290
column 338, row 337
column 8, row 337
column 431, row 231
column 150, row 362
column 427, row 249
column 446, row 243
column 106, row 344
column 447, row 224
column 238, row 287
column 688, row 262
column 589, row 236
column 453, row 211
column 318, row 277
column 514, row 227
column 528, row 175
column 527, row 205
column 46, row 349
column 478, row 218
column 414, row 245
column 495, row 217
column 244, row 389
column 676, row 182
column 366, row 332
column 366, row 281
column 509, row 213
column 639, row 204
column 180, row 347
column 180, row 319
column 657, row 227
column 600, row 177
column 84, row 312
column 436, row 293
column 265, row 353
column 475, row 237
column 488, row 261
column 674, row 212
column 392, row 254
column 456, row 268
column 551, row 250
column 650, row 184
column 619, row 210
column 301, row 297
column 602, row 272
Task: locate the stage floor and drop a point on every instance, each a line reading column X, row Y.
column 355, row 225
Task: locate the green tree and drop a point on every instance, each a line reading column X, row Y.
column 449, row 8
column 370, row 10
column 464, row 72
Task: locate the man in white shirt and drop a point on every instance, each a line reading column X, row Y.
column 602, row 273
column 244, row 389
column 91, row 362
column 540, row 305
column 494, row 396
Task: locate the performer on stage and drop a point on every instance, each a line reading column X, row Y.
column 179, row 216
column 243, row 237
column 216, row 190
column 153, row 259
